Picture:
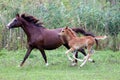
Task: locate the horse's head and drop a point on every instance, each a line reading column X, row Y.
column 15, row 22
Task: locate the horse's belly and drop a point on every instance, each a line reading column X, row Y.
column 51, row 46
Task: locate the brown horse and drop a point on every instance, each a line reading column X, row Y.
column 76, row 43
column 40, row 37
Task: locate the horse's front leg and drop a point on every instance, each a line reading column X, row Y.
column 26, row 55
column 44, row 56
column 70, row 50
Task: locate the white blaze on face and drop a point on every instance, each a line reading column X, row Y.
column 10, row 23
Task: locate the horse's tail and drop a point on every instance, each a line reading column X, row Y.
column 80, row 30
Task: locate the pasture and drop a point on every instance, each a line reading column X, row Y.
column 106, row 67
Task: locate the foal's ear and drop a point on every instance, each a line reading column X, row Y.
column 66, row 27
column 17, row 15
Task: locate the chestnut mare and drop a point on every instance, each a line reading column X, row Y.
column 40, row 37
column 76, row 43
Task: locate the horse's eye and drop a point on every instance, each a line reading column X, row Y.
column 15, row 20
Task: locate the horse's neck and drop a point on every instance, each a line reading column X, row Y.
column 28, row 28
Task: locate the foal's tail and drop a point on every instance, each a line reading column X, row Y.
column 100, row 37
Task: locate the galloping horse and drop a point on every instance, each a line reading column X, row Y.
column 76, row 43
column 40, row 37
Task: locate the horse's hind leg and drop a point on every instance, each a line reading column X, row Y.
column 26, row 56
column 44, row 56
column 74, row 53
column 82, row 51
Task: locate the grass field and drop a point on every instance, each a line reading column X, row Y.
column 106, row 67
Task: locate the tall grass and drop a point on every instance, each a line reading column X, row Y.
column 96, row 16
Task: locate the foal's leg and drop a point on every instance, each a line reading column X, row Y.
column 70, row 50
column 87, row 57
column 75, row 56
column 26, row 56
column 44, row 56
column 82, row 51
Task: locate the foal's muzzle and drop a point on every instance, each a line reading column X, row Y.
column 59, row 34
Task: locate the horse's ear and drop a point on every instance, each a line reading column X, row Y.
column 17, row 15
column 23, row 15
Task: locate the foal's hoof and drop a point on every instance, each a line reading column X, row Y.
column 74, row 64
column 81, row 66
column 18, row 66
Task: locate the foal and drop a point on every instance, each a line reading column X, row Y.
column 76, row 43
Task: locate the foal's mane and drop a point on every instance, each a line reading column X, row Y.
column 71, row 32
column 31, row 19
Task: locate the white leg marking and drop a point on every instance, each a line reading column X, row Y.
column 91, row 60
column 85, row 60
column 69, row 58
column 46, row 64
column 68, row 55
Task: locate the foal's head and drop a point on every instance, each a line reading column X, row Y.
column 67, row 32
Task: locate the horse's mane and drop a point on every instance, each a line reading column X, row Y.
column 32, row 19
column 71, row 32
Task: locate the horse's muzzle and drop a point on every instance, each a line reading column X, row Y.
column 7, row 27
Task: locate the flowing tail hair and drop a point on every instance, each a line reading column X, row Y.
column 99, row 38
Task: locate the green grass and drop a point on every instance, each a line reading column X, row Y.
column 107, row 66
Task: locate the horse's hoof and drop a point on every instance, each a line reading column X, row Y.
column 46, row 64
column 18, row 66
column 93, row 61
